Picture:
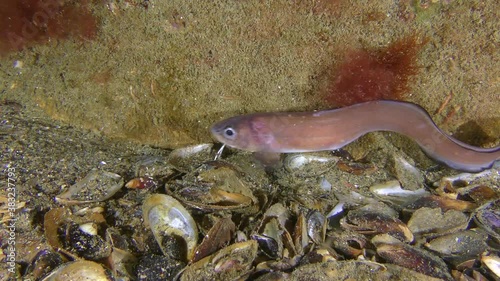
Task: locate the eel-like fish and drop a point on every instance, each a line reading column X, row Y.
column 288, row 132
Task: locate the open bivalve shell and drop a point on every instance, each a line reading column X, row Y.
column 170, row 223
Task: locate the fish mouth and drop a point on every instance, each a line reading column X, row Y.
column 216, row 131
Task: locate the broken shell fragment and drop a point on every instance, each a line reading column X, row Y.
column 357, row 168
column 153, row 166
column 89, row 228
column 480, row 194
column 170, row 223
column 122, row 263
column 96, row 186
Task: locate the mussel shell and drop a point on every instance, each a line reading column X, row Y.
column 43, row 263
column 170, row 223
column 309, row 164
column 493, row 263
column 350, row 243
column 215, row 186
column 356, row 270
column 397, row 252
column 427, row 220
column 80, row 271
column 218, row 236
column 316, row 226
column 414, row 259
column 187, row 158
column 468, row 243
column 392, row 192
column 229, row 263
column 372, row 219
column 406, row 173
column 96, row 186
column 271, row 247
column 488, row 218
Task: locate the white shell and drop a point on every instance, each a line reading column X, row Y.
column 310, row 164
column 297, row 161
column 393, row 188
column 187, row 158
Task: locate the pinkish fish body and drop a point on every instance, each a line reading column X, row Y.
column 289, row 132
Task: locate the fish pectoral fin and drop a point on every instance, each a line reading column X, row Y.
column 269, row 159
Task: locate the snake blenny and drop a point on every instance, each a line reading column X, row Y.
column 289, row 132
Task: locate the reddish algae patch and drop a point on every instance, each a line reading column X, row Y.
column 24, row 23
column 374, row 75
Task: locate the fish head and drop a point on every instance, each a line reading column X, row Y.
column 247, row 132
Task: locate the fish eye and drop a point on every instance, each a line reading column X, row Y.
column 229, row 133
